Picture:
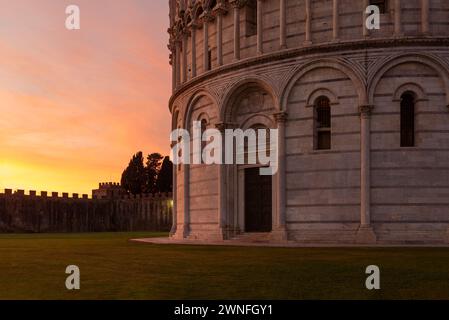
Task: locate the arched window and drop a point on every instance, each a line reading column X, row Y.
column 251, row 18
column 382, row 4
column 408, row 120
column 209, row 59
column 179, row 152
column 203, row 143
column 322, row 124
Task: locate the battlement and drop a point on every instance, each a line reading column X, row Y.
column 42, row 194
column 26, row 212
column 107, row 185
column 77, row 196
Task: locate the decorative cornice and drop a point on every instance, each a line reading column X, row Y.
column 294, row 53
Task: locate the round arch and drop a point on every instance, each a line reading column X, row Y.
column 175, row 118
column 238, row 88
column 410, row 87
column 191, row 102
column 321, row 92
column 325, row 63
column 426, row 60
column 259, row 119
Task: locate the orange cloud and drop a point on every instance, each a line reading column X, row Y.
column 76, row 104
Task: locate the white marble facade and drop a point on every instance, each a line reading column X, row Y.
column 240, row 63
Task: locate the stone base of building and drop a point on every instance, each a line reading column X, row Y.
column 366, row 235
column 345, row 234
column 215, row 234
column 279, row 235
column 446, row 239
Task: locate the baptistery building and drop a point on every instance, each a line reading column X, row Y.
column 361, row 109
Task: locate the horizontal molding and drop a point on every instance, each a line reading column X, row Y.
column 318, row 152
column 322, row 170
column 323, row 222
column 320, row 81
column 409, row 204
column 323, row 205
column 288, row 56
column 324, row 188
column 203, row 223
column 203, row 180
column 357, row 133
column 202, row 195
column 346, row 115
column 411, row 149
column 201, row 209
column 409, row 187
column 408, row 168
column 409, row 221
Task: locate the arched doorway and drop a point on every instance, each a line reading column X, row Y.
column 258, row 201
column 251, row 196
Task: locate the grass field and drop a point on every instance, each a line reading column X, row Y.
column 33, row 267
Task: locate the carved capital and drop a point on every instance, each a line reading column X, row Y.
column 222, row 126
column 238, row 3
column 365, row 110
column 171, row 46
column 220, row 9
column 206, row 17
column 185, row 32
column 281, row 117
column 193, row 25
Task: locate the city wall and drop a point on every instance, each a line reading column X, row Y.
column 52, row 213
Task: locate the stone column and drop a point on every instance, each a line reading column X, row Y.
column 259, row 27
column 425, row 28
column 236, row 4
column 206, row 19
column 184, row 56
column 365, row 16
column 178, row 63
column 193, row 28
column 222, row 188
column 175, row 200
column 280, row 228
column 172, row 49
column 186, row 209
column 173, row 74
column 335, row 21
column 308, row 40
column 220, row 11
column 365, row 233
column 283, row 25
column 397, row 18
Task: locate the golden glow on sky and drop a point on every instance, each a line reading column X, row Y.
column 75, row 105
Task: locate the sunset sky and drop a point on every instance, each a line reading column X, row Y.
column 75, row 105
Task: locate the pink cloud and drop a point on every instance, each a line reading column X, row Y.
column 81, row 100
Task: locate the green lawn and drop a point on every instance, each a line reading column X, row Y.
column 33, row 267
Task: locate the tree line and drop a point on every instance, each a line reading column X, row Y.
column 151, row 175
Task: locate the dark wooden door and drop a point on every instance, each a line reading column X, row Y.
column 258, row 201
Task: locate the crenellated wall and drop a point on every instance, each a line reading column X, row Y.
column 20, row 212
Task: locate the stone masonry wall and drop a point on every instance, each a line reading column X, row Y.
column 40, row 214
